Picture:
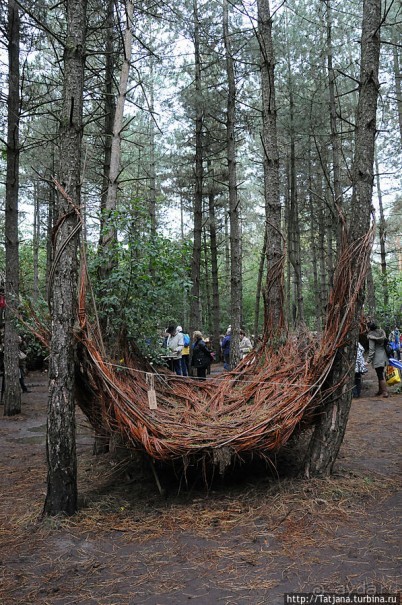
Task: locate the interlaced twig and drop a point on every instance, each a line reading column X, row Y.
column 254, row 408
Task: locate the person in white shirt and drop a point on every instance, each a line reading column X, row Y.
column 245, row 344
column 175, row 344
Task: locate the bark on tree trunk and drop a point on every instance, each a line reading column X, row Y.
column 330, row 429
column 36, row 240
column 195, row 306
column 274, row 294
column 322, row 257
column 110, row 110
column 101, row 441
column 108, row 235
column 207, row 303
column 214, row 267
column 382, row 236
column 289, row 270
column 398, row 81
column 294, row 225
column 12, row 392
column 234, row 213
column 370, row 306
column 261, row 266
column 313, row 247
column 61, row 494
column 50, row 223
column 152, row 162
column 335, row 142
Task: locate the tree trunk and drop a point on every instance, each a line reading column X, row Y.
column 260, row 275
column 152, row 163
column 235, row 253
column 101, row 440
column 61, row 494
column 313, row 247
column 36, row 240
column 382, row 236
column 274, row 294
column 206, row 296
column 110, row 110
column 214, row 267
column 289, row 270
column 50, row 223
column 369, row 304
column 398, row 81
column 227, row 249
column 195, row 306
column 324, row 276
column 108, row 234
column 335, row 142
column 330, row 428
column 294, row 225
column 12, row 393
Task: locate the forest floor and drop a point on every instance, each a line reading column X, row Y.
column 245, row 540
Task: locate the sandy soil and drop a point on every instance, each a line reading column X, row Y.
column 245, row 540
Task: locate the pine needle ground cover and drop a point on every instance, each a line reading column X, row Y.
column 246, row 539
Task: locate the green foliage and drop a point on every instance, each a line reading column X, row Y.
column 35, row 351
column 391, row 282
column 391, row 315
column 149, row 284
column 26, row 256
column 33, row 318
column 144, row 291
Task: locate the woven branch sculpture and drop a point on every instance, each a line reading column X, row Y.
column 274, row 391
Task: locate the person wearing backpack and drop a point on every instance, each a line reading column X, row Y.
column 185, row 353
column 378, row 356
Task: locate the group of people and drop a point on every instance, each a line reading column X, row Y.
column 245, row 346
column 178, row 344
column 380, row 349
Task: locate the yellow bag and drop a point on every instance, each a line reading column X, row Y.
column 392, row 375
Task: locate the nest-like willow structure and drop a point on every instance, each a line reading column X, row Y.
column 277, row 389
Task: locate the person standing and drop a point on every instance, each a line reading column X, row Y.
column 360, row 368
column 378, row 356
column 245, row 344
column 22, row 364
column 395, row 341
column 201, row 357
column 175, row 345
column 185, row 354
column 226, row 349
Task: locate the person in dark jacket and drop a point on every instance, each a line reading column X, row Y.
column 226, row 349
column 378, row 356
column 201, row 356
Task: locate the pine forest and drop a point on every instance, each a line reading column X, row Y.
column 222, row 166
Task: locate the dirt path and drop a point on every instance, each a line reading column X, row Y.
column 244, row 542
